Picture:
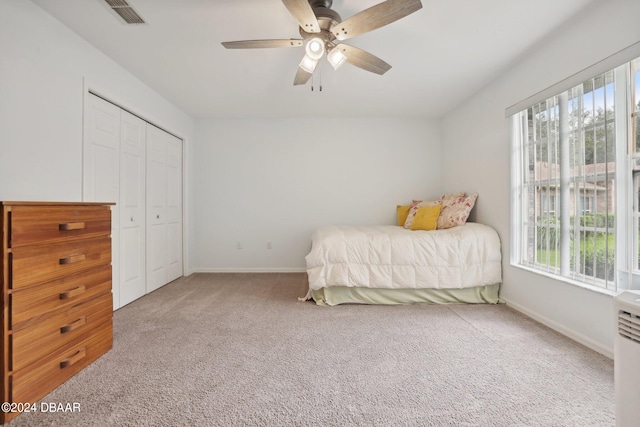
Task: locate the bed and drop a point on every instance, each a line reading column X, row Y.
column 392, row 265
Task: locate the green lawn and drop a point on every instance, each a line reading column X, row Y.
column 585, row 244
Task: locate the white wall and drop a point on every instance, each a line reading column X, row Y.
column 297, row 173
column 477, row 158
column 42, row 73
column 275, row 180
column 43, row 70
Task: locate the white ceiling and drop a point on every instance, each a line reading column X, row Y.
column 440, row 55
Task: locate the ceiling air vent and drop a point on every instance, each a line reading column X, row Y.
column 125, row 11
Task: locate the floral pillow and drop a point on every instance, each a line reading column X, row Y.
column 455, row 209
column 417, row 204
column 449, row 199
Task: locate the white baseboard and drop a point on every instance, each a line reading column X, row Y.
column 586, row 341
column 248, row 270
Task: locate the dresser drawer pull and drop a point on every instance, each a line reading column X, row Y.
column 73, row 359
column 73, row 292
column 71, row 226
column 72, row 259
column 73, row 325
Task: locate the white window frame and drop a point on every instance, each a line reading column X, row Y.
column 623, row 187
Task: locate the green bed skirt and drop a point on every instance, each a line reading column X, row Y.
column 347, row 295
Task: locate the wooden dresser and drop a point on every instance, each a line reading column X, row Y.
column 57, row 305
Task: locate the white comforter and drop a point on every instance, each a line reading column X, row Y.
column 393, row 257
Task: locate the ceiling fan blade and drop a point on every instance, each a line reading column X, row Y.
column 375, row 17
column 257, row 44
column 303, row 12
column 363, row 59
column 302, row 77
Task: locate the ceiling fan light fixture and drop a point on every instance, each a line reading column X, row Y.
column 336, row 58
column 319, row 26
column 308, row 64
column 315, row 48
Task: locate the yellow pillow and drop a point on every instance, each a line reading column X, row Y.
column 403, row 212
column 426, row 218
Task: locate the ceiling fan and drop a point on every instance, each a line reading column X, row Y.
column 322, row 29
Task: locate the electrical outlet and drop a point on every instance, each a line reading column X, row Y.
column 238, row 245
column 269, row 245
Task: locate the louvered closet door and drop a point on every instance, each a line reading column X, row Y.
column 132, row 207
column 164, row 208
column 101, row 163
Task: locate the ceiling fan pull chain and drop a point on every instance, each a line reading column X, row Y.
column 320, row 78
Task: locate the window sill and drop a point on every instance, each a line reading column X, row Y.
column 567, row 280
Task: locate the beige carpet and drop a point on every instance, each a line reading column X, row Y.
column 241, row 350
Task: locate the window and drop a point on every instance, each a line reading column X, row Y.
column 549, row 203
column 585, row 205
column 567, row 156
column 635, row 102
column 636, row 219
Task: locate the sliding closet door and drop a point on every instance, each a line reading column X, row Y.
column 174, row 207
column 156, row 208
column 132, row 207
column 100, row 171
column 164, row 208
column 139, row 167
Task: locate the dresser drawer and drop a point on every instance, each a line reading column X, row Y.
column 51, row 224
column 32, row 265
column 38, row 340
column 38, row 379
column 37, row 303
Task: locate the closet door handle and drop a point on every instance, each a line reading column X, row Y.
column 73, row 359
column 73, row 325
column 72, row 259
column 72, row 292
column 71, row 226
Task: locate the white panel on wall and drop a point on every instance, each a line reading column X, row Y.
column 268, row 183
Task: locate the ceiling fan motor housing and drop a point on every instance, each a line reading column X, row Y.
column 321, row 3
column 326, row 17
